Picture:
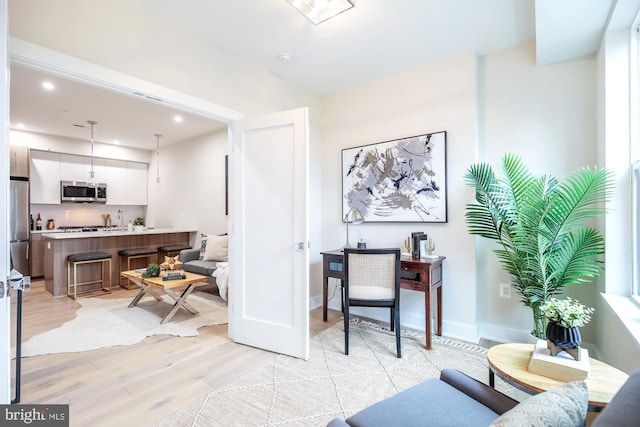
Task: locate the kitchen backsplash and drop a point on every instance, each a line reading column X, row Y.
column 79, row 214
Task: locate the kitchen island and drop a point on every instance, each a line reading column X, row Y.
column 57, row 246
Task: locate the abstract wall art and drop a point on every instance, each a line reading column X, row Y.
column 403, row 180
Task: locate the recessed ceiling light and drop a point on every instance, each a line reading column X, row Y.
column 116, row 142
column 177, row 119
column 48, row 86
column 20, row 126
column 284, row 58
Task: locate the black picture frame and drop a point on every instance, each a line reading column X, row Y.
column 402, row 180
column 226, row 184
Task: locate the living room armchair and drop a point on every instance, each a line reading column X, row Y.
column 457, row 400
column 453, row 400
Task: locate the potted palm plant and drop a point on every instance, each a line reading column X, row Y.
column 539, row 224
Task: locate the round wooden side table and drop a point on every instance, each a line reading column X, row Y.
column 511, row 361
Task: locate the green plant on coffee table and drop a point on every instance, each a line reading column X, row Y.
column 138, row 221
column 153, row 270
column 567, row 313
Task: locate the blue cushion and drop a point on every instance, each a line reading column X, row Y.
column 432, row 402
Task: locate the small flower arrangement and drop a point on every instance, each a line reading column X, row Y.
column 138, row 221
column 567, row 313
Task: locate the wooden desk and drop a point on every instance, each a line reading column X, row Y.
column 422, row 275
column 511, row 362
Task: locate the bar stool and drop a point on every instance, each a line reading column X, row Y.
column 130, row 254
column 87, row 258
column 172, row 250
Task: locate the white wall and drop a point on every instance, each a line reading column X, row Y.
column 427, row 99
column 546, row 115
column 191, row 192
column 490, row 105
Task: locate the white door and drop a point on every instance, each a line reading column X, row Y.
column 5, row 318
column 268, row 230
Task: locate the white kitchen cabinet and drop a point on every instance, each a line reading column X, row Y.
column 72, row 168
column 44, row 177
column 78, row 168
column 116, row 179
column 137, row 183
column 126, row 181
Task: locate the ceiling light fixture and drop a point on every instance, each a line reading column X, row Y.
column 177, row 119
column 157, row 186
column 92, row 177
column 318, row 11
column 284, row 58
column 48, row 86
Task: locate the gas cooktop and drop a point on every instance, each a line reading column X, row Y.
column 80, row 228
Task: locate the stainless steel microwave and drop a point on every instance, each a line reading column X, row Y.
column 82, row 192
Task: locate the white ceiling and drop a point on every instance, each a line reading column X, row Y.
column 374, row 39
column 64, row 111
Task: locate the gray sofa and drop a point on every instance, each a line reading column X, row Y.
column 457, row 400
column 192, row 264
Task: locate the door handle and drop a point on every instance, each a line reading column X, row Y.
column 298, row 247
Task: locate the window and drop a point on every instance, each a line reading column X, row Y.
column 635, row 152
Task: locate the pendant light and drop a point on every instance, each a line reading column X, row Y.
column 157, row 186
column 92, row 176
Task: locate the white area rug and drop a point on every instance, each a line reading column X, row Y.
column 102, row 322
column 294, row 392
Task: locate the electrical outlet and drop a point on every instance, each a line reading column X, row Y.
column 505, row 290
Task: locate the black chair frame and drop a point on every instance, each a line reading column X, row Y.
column 392, row 304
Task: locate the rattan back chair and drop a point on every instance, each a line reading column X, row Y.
column 372, row 279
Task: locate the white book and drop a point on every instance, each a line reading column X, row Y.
column 562, row 366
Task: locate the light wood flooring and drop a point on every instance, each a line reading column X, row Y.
column 133, row 385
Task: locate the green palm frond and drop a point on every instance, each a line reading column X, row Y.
column 539, row 224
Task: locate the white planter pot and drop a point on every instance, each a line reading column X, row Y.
column 138, row 228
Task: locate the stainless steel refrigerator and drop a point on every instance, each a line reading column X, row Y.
column 19, row 234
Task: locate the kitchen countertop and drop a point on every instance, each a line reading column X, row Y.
column 46, row 231
column 54, row 234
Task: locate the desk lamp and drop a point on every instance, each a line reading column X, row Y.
column 356, row 218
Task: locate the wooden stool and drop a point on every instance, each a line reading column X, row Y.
column 87, row 258
column 173, row 250
column 128, row 255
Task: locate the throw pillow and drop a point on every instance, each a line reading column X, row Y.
column 217, row 249
column 562, row 406
column 203, row 246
